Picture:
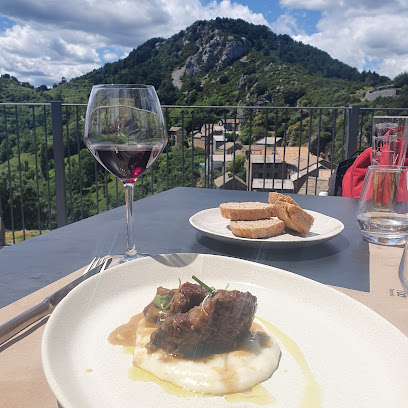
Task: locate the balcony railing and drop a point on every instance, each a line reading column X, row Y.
column 49, row 179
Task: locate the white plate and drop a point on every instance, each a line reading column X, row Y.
column 336, row 352
column 211, row 223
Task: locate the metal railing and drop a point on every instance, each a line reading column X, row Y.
column 48, row 178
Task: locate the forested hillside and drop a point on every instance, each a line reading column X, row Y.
column 211, row 63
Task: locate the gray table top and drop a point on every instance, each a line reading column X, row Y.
column 162, row 226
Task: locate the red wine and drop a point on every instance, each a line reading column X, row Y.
column 126, row 162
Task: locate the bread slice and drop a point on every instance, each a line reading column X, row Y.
column 257, row 229
column 274, row 197
column 294, row 217
column 247, row 211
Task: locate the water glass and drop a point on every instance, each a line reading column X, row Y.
column 382, row 212
column 403, row 270
column 389, row 140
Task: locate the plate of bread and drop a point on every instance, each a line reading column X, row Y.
column 280, row 221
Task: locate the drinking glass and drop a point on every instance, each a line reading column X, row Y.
column 125, row 131
column 389, row 140
column 382, row 211
column 403, row 270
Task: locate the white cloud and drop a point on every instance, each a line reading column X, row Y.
column 110, row 56
column 360, row 33
column 61, row 38
column 307, row 4
column 38, row 56
column 285, row 24
column 53, row 39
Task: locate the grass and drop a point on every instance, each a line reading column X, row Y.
column 19, row 235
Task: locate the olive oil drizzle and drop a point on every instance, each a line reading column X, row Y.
column 312, row 395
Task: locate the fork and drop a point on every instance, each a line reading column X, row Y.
column 46, row 307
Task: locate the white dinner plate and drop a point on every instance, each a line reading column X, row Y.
column 211, row 223
column 335, row 352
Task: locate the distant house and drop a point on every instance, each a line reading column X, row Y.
column 299, row 163
column 218, row 130
column 229, row 124
column 282, row 169
column 176, row 134
column 218, row 140
column 229, row 181
column 384, row 91
column 262, row 166
column 198, row 140
column 229, row 147
column 219, row 161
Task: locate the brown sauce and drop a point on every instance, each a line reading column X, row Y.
column 125, row 335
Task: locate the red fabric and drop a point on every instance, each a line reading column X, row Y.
column 354, row 178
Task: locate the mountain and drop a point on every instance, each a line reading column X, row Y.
column 226, row 62
column 232, row 62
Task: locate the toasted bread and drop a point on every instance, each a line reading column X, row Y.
column 274, row 197
column 257, row 229
column 294, row 217
column 248, row 211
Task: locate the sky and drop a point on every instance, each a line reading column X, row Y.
column 42, row 41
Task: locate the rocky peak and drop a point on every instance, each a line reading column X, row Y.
column 216, row 51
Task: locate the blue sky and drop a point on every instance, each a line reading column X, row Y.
column 42, row 41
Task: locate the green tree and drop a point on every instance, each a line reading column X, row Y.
column 238, row 167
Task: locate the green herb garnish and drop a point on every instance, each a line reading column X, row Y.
column 162, row 301
column 210, row 291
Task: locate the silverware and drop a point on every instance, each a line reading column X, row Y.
column 30, row 316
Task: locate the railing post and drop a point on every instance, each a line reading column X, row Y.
column 352, row 130
column 59, row 164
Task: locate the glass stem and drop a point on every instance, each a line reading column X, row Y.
column 130, row 249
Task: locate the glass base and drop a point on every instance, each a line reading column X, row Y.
column 384, row 240
column 127, row 257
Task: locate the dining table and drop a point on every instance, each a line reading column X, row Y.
column 33, row 269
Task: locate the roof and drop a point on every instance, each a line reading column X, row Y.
column 219, row 181
column 260, row 158
column 290, row 155
column 303, row 172
column 228, row 145
column 230, row 120
column 219, row 138
column 175, row 128
column 269, row 140
column 275, row 184
column 220, row 157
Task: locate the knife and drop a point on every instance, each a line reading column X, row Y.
column 46, row 307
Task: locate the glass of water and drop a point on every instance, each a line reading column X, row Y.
column 382, row 212
column 389, row 140
column 403, row 270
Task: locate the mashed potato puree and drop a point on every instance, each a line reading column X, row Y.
column 253, row 362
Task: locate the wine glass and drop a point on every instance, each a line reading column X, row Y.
column 125, row 131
